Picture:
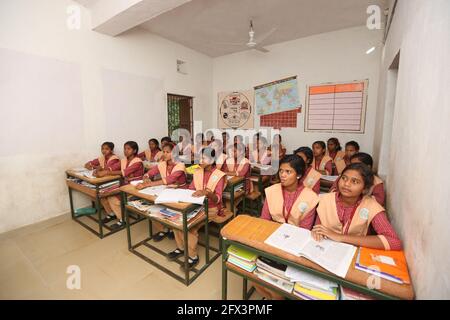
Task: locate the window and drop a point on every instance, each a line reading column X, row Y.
column 179, row 109
column 337, row 107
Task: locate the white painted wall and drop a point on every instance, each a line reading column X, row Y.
column 32, row 177
column 329, row 57
column 418, row 156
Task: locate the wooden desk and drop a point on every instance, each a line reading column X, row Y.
column 250, row 233
column 95, row 195
column 182, row 207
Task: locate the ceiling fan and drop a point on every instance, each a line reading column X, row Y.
column 253, row 43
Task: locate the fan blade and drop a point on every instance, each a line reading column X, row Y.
column 229, row 43
column 261, row 49
column 260, row 39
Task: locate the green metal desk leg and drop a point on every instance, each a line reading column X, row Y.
column 72, row 211
column 207, row 231
column 150, row 228
column 99, row 212
column 232, row 199
column 127, row 218
column 186, row 250
column 244, row 288
column 224, row 270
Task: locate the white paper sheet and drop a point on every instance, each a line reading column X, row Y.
column 178, row 195
column 153, row 191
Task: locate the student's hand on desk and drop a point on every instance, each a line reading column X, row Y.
column 319, row 232
column 100, row 173
column 200, row 193
column 140, row 186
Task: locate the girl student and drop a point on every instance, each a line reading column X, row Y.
column 239, row 166
column 377, row 190
column 321, row 162
column 131, row 168
column 172, row 175
column 277, row 146
column 311, row 178
column 334, row 151
column 210, row 182
column 107, row 161
column 153, row 153
column 289, row 202
column 221, row 157
column 349, row 214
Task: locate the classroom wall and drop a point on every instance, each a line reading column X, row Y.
column 60, row 91
column 418, row 157
column 328, row 57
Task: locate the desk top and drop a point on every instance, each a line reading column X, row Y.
column 254, row 231
column 179, row 206
column 234, row 181
column 94, row 181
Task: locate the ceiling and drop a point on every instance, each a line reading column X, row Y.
column 203, row 24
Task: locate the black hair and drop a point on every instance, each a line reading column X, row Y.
column 336, row 142
column 307, row 152
column 295, row 162
column 155, row 141
column 133, row 145
column 277, row 135
column 169, row 145
column 168, row 139
column 210, row 153
column 321, row 143
column 109, row 144
column 353, row 144
column 364, row 158
column 364, row 171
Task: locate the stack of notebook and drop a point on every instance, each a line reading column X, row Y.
column 242, row 258
column 227, row 194
column 311, row 287
column 349, row 294
column 174, row 216
column 274, row 273
column 389, row 265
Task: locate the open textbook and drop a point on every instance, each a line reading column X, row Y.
column 333, row 256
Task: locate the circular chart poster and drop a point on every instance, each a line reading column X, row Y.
column 236, row 110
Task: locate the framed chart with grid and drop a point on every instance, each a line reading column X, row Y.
column 337, row 107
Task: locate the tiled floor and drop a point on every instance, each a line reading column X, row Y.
column 34, row 261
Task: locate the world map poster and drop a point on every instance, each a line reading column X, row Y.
column 277, row 96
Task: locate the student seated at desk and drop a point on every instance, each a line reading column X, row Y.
column 277, row 146
column 153, row 153
column 184, row 147
column 334, row 151
column 321, row 162
column 290, row 201
column 107, row 161
column 225, row 140
column 173, row 175
column 131, row 168
column 209, row 182
column 377, row 190
column 311, row 178
column 351, row 216
column 199, row 144
column 238, row 165
column 221, row 157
